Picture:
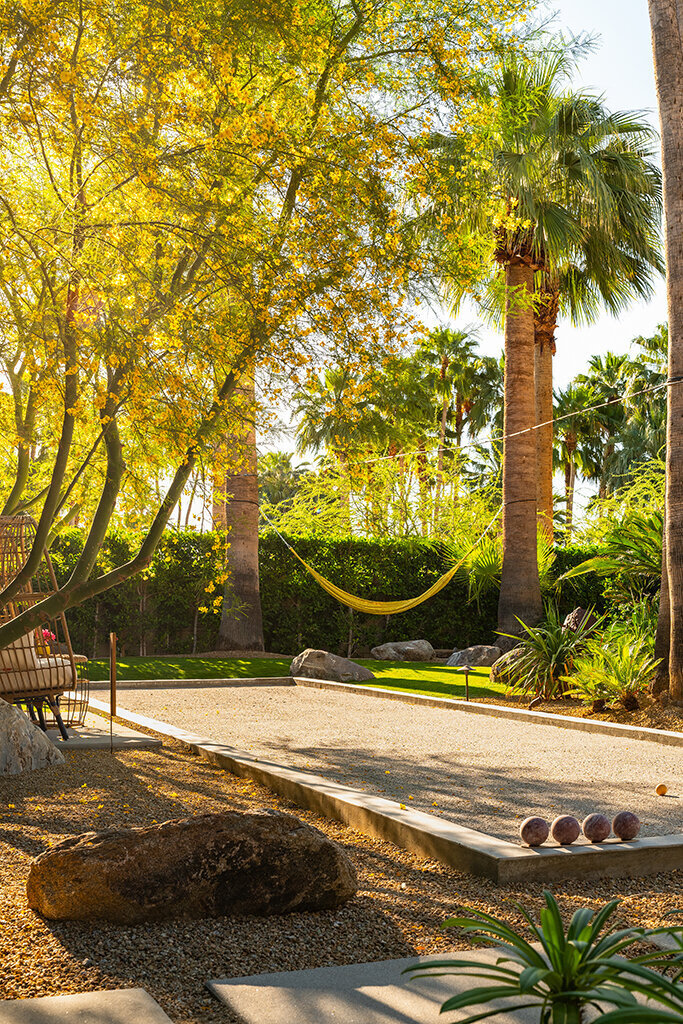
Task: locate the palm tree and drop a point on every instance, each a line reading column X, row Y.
column 608, row 381
column 532, row 225
column 668, row 65
column 618, row 256
column 575, row 449
column 278, row 479
column 451, row 356
column 551, row 159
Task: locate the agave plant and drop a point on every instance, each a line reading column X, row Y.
column 564, row 973
column 618, row 669
column 546, row 653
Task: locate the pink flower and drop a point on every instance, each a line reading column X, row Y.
column 47, row 635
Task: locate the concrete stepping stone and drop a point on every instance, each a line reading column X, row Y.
column 374, row 993
column 94, row 735
column 117, row 1006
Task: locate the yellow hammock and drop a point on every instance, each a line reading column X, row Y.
column 359, row 604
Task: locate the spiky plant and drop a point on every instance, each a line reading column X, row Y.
column 563, row 973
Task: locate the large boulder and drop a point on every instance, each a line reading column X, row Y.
column 475, row 657
column 580, row 617
column 404, row 650
column 505, row 670
column 312, row 664
column 23, row 746
column 231, row 863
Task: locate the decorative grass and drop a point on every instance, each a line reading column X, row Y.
column 405, row 676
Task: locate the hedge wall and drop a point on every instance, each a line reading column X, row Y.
column 157, row 613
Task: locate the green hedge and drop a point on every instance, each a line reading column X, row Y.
column 157, row 613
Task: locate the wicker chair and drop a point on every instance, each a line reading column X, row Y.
column 40, row 668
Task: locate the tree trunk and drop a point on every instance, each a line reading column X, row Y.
column 661, row 680
column 569, row 478
column 544, row 438
column 237, row 510
column 666, row 19
column 520, row 592
column 423, row 488
column 545, row 324
column 608, row 452
column 439, row 465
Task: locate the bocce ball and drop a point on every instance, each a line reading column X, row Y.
column 534, row 831
column 596, row 827
column 626, row 825
column 565, row 829
column 661, row 789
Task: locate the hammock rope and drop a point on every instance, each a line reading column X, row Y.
column 360, row 604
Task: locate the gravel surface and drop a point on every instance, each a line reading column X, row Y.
column 480, row 771
column 401, row 903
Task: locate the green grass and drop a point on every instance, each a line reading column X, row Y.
column 431, row 680
column 408, row 677
column 192, row 668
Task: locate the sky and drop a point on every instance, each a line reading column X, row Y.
column 620, row 68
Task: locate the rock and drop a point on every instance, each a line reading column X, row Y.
column 312, row 664
column 596, row 828
column 626, row 825
column 534, row 831
column 565, row 829
column 504, row 670
column 23, row 746
column 404, row 650
column 580, row 617
column 206, row 866
column 479, row 655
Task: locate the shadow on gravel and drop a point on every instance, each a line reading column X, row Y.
column 490, row 798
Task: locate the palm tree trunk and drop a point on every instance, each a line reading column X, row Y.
column 545, row 324
column 569, row 479
column 665, row 19
column 520, row 592
column 439, row 465
column 237, row 510
column 423, row 488
column 608, row 452
column 661, row 680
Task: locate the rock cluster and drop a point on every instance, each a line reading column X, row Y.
column 215, row 864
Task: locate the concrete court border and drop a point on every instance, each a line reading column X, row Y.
column 632, row 732
column 426, row 834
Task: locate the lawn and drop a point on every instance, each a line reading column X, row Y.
column 192, row 668
column 413, row 677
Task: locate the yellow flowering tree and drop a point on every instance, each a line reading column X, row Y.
column 190, row 191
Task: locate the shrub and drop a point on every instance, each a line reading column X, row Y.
column 160, row 611
column 616, row 668
column 546, row 654
column 574, row 970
